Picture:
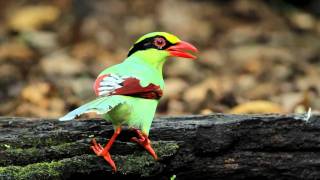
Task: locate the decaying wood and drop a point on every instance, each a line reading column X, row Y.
column 191, row 147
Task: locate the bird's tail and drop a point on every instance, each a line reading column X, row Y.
column 100, row 106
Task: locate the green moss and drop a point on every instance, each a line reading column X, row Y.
column 32, row 171
column 32, row 144
column 165, row 148
column 138, row 163
column 44, row 141
column 54, row 169
column 32, row 155
column 133, row 164
column 30, row 141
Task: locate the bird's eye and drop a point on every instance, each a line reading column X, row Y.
column 159, row 42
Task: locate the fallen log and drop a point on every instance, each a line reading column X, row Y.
column 214, row 146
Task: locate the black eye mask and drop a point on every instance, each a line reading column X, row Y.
column 149, row 43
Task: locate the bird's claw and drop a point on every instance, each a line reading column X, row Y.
column 100, row 151
column 97, row 148
column 145, row 142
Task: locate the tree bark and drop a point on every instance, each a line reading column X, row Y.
column 215, row 146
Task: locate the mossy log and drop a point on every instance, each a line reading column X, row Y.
column 190, row 147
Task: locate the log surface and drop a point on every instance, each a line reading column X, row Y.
column 215, row 146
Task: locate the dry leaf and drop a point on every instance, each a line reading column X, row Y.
column 33, row 17
column 36, row 93
column 257, row 107
column 16, row 50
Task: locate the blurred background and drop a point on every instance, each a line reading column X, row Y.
column 255, row 56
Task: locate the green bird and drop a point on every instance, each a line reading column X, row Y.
column 128, row 93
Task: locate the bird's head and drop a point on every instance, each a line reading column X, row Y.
column 157, row 46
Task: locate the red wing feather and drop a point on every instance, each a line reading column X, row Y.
column 132, row 87
column 129, row 86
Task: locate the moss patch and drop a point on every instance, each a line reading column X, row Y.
column 33, row 171
column 30, row 141
column 20, row 156
column 139, row 163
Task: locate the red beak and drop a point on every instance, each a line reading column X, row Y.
column 179, row 49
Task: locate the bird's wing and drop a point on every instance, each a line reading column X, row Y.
column 112, row 84
column 100, row 105
column 107, row 86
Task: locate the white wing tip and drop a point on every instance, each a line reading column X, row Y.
column 308, row 115
column 65, row 118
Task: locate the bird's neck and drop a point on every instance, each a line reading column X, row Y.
column 154, row 59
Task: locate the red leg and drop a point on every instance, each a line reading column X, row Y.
column 144, row 141
column 100, row 151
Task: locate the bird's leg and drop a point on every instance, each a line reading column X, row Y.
column 100, row 151
column 144, row 141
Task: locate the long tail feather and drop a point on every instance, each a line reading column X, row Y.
column 100, row 106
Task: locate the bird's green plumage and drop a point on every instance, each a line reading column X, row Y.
column 145, row 65
column 136, row 112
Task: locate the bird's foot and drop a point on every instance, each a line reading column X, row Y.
column 144, row 141
column 100, row 151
